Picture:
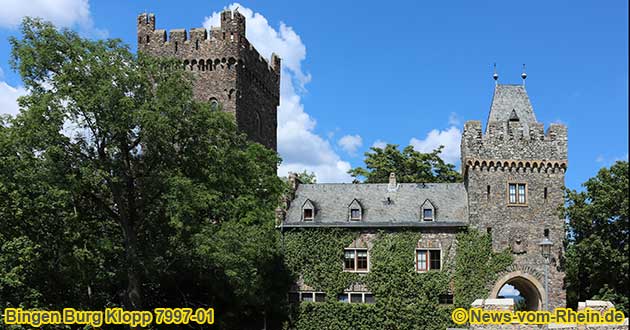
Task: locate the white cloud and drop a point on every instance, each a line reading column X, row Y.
column 379, row 144
column 8, row 98
column 60, row 12
column 299, row 146
column 449, row 138
column 509, row 291
column 600, row 159
column 350, row 143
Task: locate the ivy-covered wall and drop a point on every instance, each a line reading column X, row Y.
column 405, row 299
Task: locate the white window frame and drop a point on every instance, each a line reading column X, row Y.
column 517, row 194
column 428, row 262
column 349, row 297
column 312, row 294
column 356, row 259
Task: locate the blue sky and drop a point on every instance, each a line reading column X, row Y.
column 410, row 72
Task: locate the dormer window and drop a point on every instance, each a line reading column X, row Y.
column 427, row 211
column 308, row 211
column 355, row 211
column 427, row 214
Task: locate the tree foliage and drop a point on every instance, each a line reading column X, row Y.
column 597, row 251
column 410, row 166
column 117, row 188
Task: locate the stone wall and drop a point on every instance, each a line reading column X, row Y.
column 226, row 67
column 506, row 154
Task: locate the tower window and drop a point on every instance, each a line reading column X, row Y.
column 545, row 193
column 355, row 214
column 546, row 232
column 488, row 192
column 517, row 193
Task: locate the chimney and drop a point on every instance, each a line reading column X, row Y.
column 393, row 186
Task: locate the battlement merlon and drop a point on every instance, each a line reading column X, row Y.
column 231, row 30
column 514, row 141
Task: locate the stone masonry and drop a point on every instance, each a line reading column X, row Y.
column 515, row 149
column 227, row 69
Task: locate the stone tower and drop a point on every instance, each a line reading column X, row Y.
column 514, row 176
column 228, row 70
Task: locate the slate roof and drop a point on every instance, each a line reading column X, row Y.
column 508, row 99
column 331, row 203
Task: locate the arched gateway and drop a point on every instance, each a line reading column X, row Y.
column 530, row 288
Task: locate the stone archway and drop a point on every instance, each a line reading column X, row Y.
column 528, row 285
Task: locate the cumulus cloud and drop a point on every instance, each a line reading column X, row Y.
column 299, row 146
column 449, row 138
column 8, row 98
column 509, row 291
column 350, row 143
column 379, row 144
column 60, row 12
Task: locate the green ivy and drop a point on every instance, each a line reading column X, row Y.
column 405, row 299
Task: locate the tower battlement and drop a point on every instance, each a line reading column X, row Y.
column 512, row 140
column 227, row 69
column 512, row 133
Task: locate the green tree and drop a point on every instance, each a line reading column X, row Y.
column 410, row 166
column 597, row 251
column 118, row 188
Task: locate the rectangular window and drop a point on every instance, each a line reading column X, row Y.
column 320, row 297
column 517, row 193
column 428, row 259
column 446, row 299
column 294, row 297
column 349, row 256
column 308, row 214
column 356, row 297
column 427, row 214
column 307, row 296
column 421, row 260
column 356, row 260
column 435, row 261
column 355, row 214
column 362, row 260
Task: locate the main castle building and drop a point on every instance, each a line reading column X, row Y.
column 512, row 190
column 513, row 173
column 229, row 72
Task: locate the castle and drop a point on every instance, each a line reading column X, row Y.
column 229, row 72
column 513, row 173
column 512, row 190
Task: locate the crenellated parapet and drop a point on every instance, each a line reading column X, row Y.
column 227, row 69
column 508, row 144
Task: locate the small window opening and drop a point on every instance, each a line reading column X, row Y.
column 545, row 193
column 197, row 44
column 176, row 46
column 489, row 230
column 427, row 214
column 355, row 214
column 488, row 191
column 546, row 233
column 308, row 214
column 147, row 39
column 446, row 299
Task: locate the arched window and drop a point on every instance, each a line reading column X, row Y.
column 214, row 104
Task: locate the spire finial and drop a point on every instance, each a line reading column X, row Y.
column 524, row 75
column 495, row 76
